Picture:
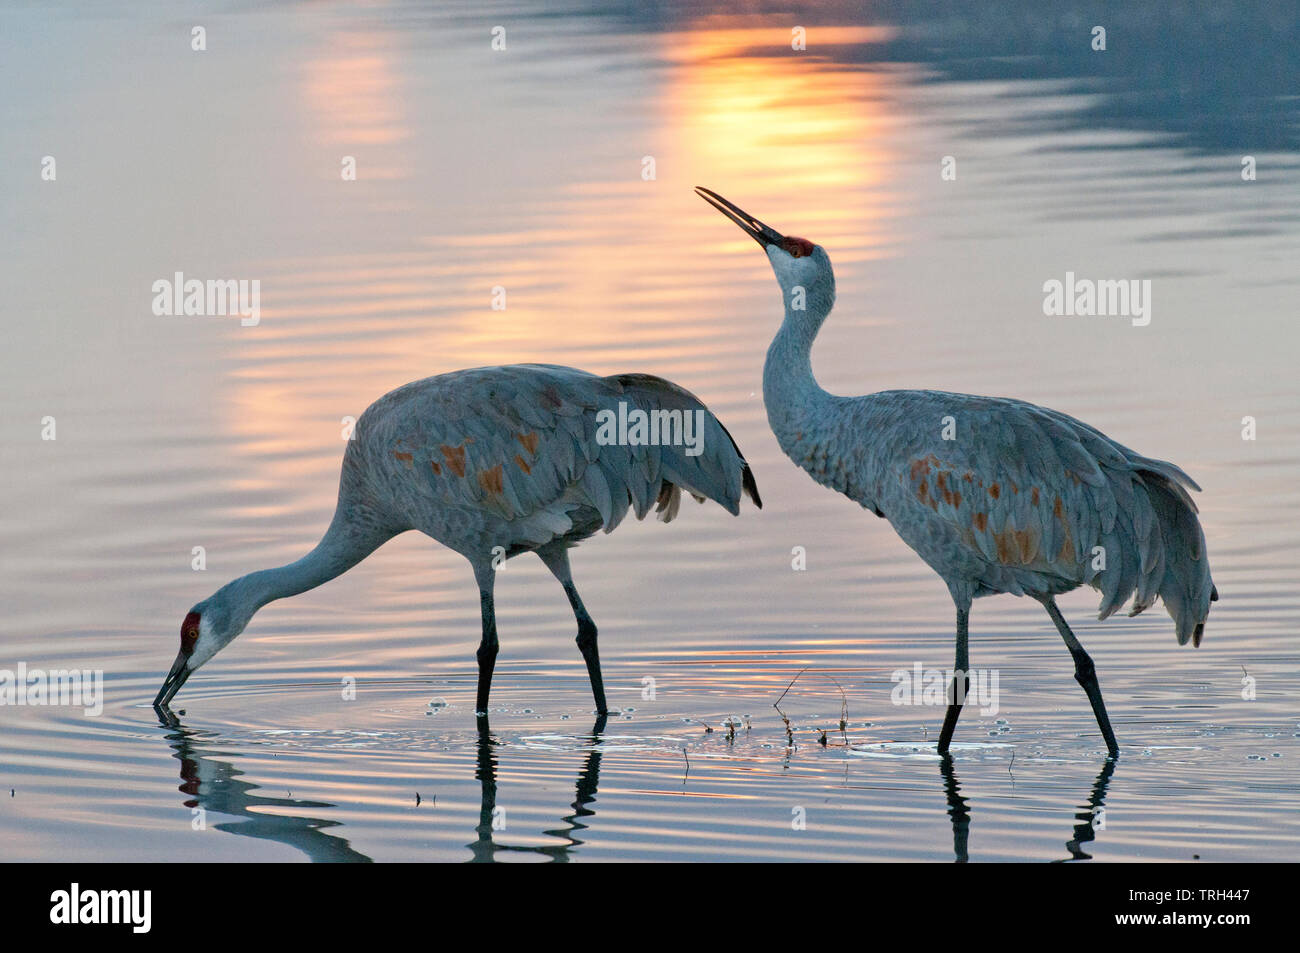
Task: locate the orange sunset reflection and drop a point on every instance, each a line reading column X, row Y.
column 609, row 272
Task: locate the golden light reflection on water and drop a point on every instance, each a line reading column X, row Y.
column 352, row 93
column 801, row 129
column 610, row 274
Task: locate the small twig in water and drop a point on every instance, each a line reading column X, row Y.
column 789, row 733
column 776, row 703
column 844, row 710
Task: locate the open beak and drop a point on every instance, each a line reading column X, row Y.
column 752, row 227
column 172, row 684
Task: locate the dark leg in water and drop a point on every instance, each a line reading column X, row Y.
column 1085, row 673
column 960, row 669
column 556, row 557
column 487, row 649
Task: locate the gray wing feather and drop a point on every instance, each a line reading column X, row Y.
column 719, row 472
column 518, row 444
column 1029, row 493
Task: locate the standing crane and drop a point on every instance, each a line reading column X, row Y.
column 996, row 495
column 493, row 462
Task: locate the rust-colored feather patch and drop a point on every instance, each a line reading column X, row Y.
column 455, row 457
column 491, row 480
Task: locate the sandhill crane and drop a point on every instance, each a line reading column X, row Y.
column 492, row 462
column 996, row 495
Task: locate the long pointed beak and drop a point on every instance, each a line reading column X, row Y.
column 752, row 227
column 172, row 684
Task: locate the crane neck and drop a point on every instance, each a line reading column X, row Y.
column 795, row 402
column 347, row 541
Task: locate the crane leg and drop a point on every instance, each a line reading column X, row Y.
column 1085, row 673
column 960, row 669
column 556, row 558
column 487, row 649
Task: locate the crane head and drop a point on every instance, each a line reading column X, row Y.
column 797, row 262
column 191, row 629
column 207, row 629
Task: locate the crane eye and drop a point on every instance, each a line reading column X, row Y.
column 797, row 247
column 189, row 632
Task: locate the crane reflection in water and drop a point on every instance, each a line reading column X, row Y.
column 212, row 783
column 214, row 786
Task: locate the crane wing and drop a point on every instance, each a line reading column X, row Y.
column 1027, row 490
column 520, row 442
column 718, row 471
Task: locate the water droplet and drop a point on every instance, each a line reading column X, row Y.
column 437, row 702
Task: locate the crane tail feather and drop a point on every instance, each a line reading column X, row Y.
column 1186, row 587
column 714, row 468
column 669, row 502
column 749, row 483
